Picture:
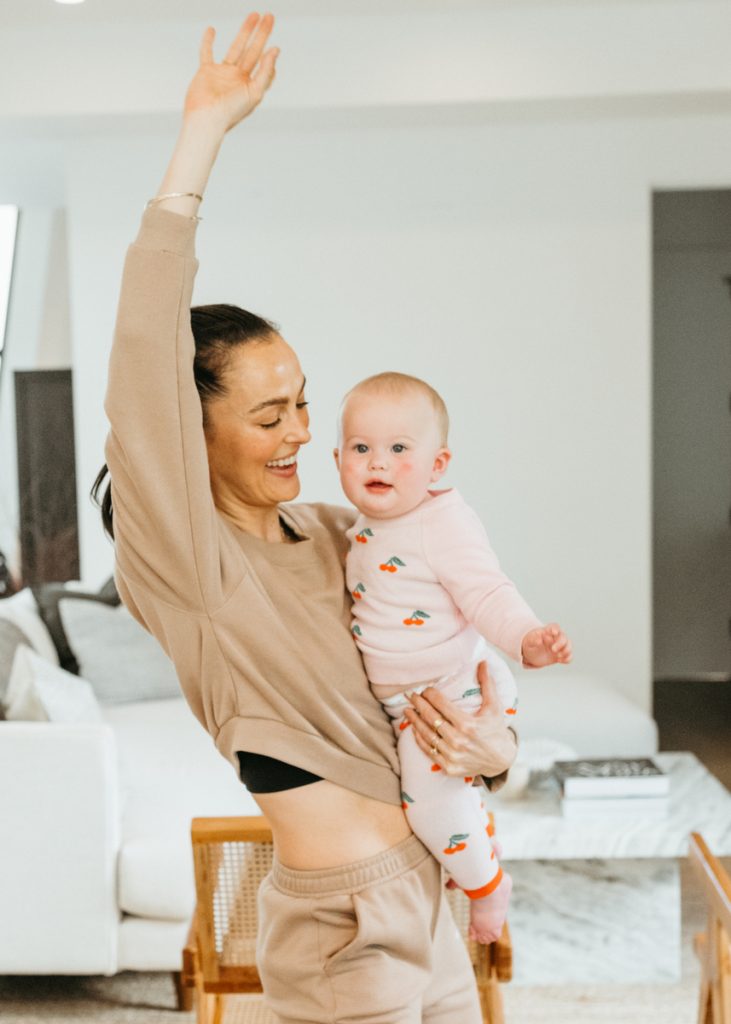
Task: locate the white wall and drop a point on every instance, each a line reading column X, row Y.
column 509, row 265
column 482, row 222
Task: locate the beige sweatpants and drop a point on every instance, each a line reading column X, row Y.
column 372, row 942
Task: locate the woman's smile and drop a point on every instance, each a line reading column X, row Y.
column 284, row 470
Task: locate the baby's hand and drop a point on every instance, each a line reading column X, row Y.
column 546, row 646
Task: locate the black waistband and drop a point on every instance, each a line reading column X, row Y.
column 262, row 774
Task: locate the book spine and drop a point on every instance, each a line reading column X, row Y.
column 656, row 806
column 649, row 785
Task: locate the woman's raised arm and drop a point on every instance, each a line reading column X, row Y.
column 167, row 531
column 219, row 96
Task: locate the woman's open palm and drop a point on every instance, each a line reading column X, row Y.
column 234, row 87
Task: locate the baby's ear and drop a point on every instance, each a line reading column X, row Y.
column 441, row 461
column 336, row 456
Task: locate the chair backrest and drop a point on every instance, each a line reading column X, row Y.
column 231, row 856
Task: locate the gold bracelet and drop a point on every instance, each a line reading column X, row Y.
column 176, row 195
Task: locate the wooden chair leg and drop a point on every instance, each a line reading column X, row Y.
column 493, row 1001
column 218, row 1008
column 205, row 1007
column 721, row 976
column 488, row 985
column 183, row 993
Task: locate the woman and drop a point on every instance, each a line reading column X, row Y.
column 207, row 413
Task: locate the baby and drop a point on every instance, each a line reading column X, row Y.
column 426, row 589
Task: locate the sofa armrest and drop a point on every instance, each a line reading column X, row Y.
column 60, row 815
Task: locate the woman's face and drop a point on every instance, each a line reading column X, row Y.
column 254, row 431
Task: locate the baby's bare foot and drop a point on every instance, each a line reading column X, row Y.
column 487, row 915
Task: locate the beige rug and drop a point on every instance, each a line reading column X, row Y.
column 148, row 999
column 132, row 998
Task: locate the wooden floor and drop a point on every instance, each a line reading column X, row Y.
column 697, row 716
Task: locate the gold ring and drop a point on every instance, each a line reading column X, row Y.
column 435, row 727
column 435, row 745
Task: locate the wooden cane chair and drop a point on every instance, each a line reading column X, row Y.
column 231, row 857
column 713, row 947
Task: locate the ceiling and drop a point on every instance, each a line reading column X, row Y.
column 48, row 13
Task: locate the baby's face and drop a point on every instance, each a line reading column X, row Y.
column 390, row 452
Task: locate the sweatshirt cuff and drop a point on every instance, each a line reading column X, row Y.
column 167, row 231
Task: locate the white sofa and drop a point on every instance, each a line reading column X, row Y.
column 96, row 870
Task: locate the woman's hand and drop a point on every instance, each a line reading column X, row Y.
column 480, row 744
column 229, row 91
column 219, row 96
column 548, row 645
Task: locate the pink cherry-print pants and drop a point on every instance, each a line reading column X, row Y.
column 448, row 813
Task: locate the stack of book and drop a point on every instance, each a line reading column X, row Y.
column 620, row 786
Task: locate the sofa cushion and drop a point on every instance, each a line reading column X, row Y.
column 585, row 713
column 144, row 944
column 170, row 772
column 156, row 879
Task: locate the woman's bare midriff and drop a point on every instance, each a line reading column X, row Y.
column 325, row 826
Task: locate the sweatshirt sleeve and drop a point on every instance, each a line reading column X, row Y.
column 457, row 548
column 168, row 534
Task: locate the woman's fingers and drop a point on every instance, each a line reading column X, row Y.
column 455, row 729
column 206, row 50
column 253, row 51
column 430, row 706
column 264, row 74
column 438, row 755
column 237, row 47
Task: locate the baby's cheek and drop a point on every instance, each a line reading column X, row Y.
column 349, row 478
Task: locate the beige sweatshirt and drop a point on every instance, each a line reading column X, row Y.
column 258, row 632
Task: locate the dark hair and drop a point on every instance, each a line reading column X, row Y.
column 217, row 330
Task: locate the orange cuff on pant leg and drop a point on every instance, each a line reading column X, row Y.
column 477, row 894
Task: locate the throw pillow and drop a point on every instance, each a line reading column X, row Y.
column 22, row 610
column 10, row 639
column 41, row 692
column 120, row 659
column 48, row 596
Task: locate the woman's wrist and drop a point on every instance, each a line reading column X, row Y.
column 503, row 752
column 196, row 149
column 206, row 126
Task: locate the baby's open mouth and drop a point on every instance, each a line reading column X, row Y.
column 378, row 486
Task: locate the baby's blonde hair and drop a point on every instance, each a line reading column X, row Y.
column 391, row 383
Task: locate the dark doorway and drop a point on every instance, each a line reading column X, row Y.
column 49, row 537
column 692, row 435
column 692, row 474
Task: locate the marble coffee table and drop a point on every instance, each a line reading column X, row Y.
column 598, row 900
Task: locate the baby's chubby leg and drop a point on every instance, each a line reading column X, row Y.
column 447, row 814
column 488, row 914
